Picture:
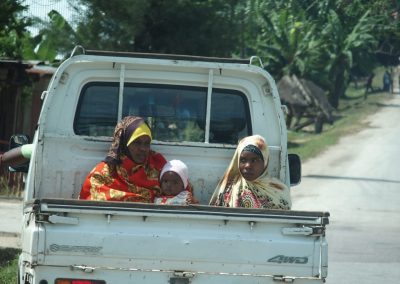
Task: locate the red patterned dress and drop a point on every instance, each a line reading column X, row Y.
column 128, row 181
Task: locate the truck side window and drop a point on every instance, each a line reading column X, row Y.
column 97, row 112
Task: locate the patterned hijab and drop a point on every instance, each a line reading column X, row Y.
column 264, row 192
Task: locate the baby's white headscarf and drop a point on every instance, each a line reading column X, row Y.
column 179, row 167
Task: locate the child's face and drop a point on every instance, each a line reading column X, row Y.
column 171, row 183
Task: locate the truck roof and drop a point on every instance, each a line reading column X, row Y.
column 168, row 56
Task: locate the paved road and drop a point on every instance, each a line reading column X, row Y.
column 358, row 182
column 10, row 222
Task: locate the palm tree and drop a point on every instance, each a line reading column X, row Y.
column 287, row 41
column 343, row 45
column 55, row 40
column 320, row 46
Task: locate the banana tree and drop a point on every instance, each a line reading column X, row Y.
column 287, row 42
column 342, row 45
column 54, row 41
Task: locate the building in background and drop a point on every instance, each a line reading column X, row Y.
column 21, row 86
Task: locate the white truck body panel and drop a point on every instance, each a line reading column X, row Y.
column 130, row 242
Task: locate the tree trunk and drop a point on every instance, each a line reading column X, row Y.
column 338, row 88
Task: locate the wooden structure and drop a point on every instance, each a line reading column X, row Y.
column 306, row 102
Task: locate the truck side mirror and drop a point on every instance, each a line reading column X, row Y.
column 17, row 141
column 294, row 169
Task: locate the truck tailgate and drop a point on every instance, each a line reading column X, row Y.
column 198, row 242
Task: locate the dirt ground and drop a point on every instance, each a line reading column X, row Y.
column 358, row 182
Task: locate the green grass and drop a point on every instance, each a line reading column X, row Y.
column 4, row 188
column 8, row 265
column 349, row 118
column 7, row 191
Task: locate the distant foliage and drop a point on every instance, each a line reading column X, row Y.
column 182, row 27
column 326, row 41
column 12, row 27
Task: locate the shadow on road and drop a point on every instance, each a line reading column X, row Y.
column 388, row 105
column 351, row 178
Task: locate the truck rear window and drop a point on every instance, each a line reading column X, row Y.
column 175, row 113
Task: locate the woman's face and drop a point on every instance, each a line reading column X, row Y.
column 251, row 165
column 171, row 183
column 139, row 149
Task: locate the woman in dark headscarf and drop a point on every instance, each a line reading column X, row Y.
column 130, row 170
column 246, row 182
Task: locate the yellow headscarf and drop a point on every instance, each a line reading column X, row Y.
column 142, row 130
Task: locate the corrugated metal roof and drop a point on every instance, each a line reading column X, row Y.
column 41, row 70
column 31, row 66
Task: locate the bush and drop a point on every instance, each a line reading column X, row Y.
column 8, row 265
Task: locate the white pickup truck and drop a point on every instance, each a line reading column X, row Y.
column 198, row 108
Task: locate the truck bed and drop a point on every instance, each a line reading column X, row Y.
column 160, row 241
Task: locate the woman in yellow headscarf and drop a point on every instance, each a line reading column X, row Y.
column 130, row 170
column 246, row 182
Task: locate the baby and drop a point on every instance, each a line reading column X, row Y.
column 175, row 186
